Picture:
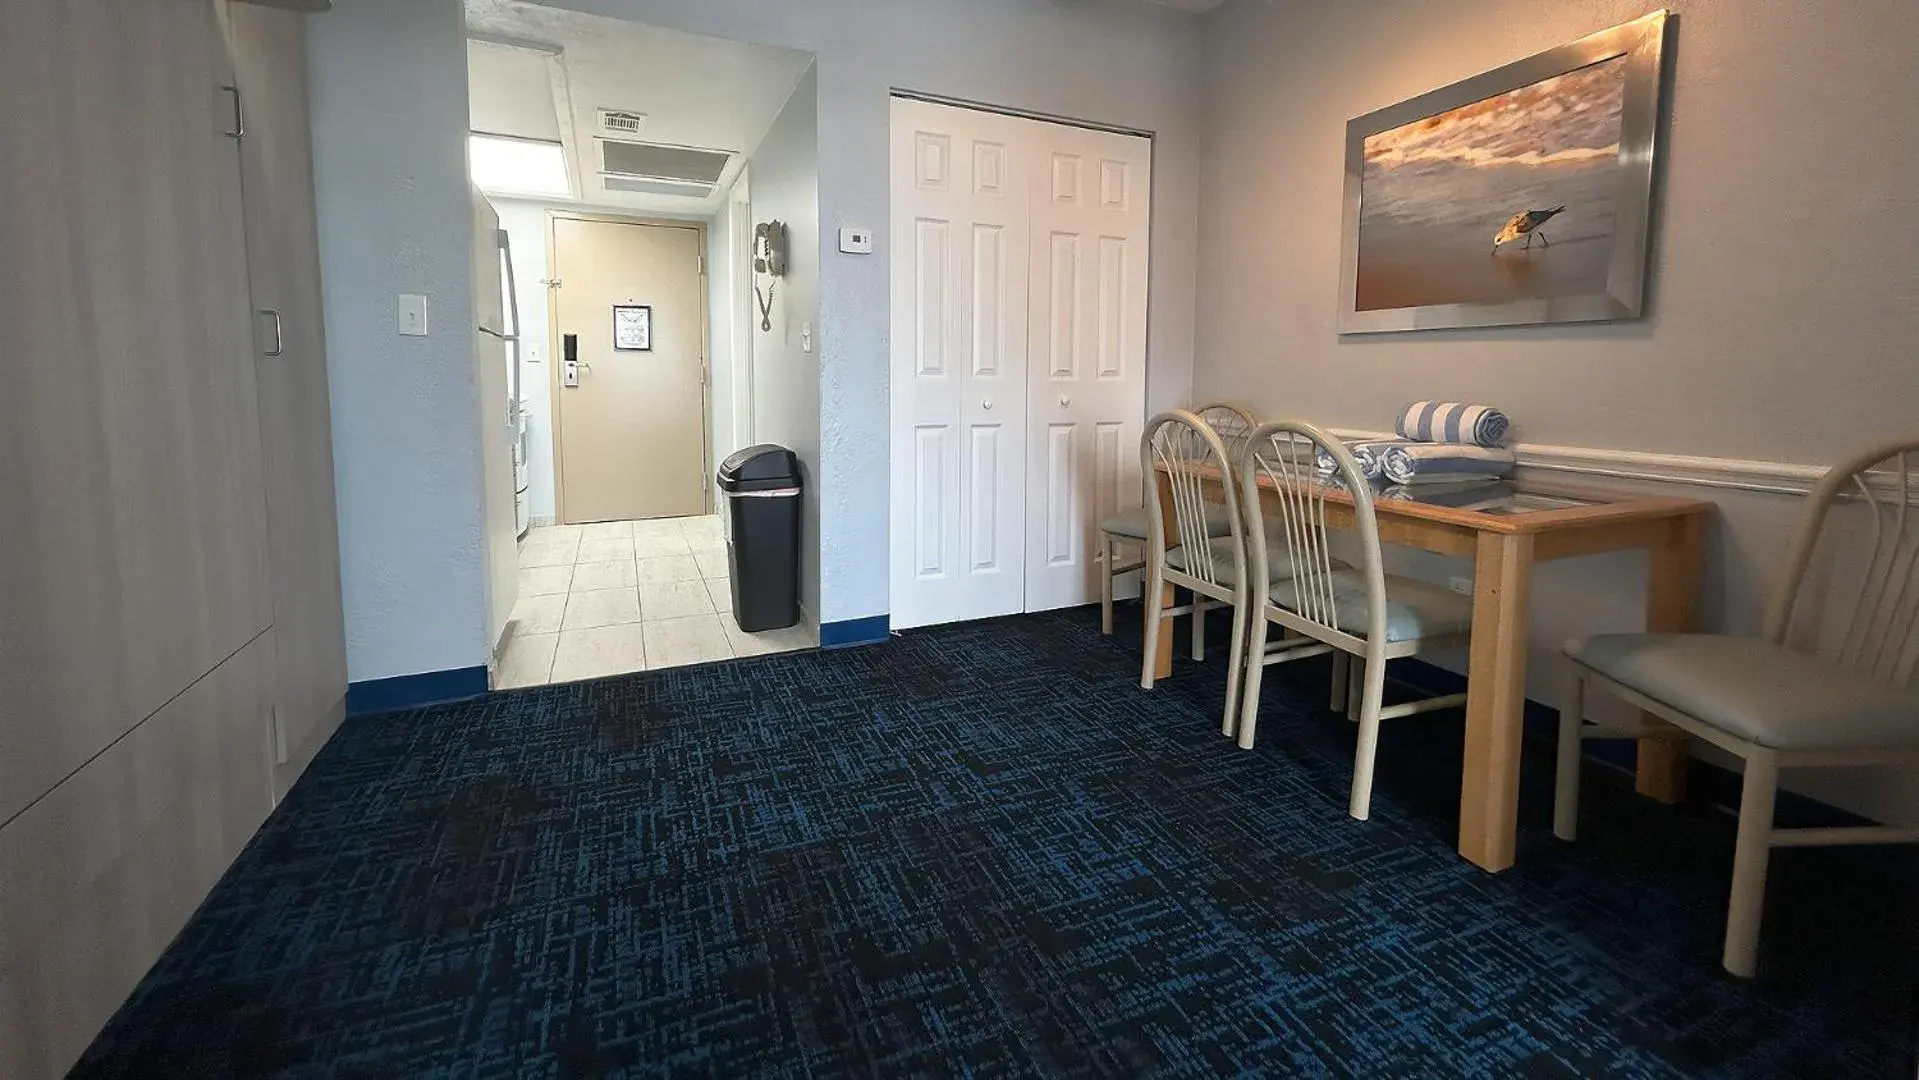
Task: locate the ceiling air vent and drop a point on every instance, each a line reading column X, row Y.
column 635, row 185
column 654, row 169
column 617, row 123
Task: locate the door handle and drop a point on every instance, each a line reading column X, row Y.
column 1064, row 401
column 987, row 404
column 279, row 333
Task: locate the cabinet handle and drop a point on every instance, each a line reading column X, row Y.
column 1064, row 401
column 239, row 117
column 987, row 404
column 279, row 333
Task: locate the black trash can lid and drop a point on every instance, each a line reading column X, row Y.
column 760, row 468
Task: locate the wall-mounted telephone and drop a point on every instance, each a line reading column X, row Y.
column 769, row 248
column 769, row 258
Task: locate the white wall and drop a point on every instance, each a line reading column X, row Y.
column 1784, row 295
column 786, row 377
column 388, row 88
column 1117, row 62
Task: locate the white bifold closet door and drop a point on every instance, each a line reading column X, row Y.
column 1019, row 357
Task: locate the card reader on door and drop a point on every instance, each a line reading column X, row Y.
column 570, row 363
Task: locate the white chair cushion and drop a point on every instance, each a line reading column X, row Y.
column 1414, row 609
column 1757, row 691
column 1278, row 564
column 1132, row 524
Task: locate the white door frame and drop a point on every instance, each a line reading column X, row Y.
column 739, row 210
column 555, row 364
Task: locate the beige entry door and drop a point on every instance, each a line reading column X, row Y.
column 630, row 419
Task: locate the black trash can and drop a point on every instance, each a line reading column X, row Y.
column 762, row 489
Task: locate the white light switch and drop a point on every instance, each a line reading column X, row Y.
column 806, row 337
column 412, row 315
column 856, row 241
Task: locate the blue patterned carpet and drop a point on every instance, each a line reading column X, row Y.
column 983, row 851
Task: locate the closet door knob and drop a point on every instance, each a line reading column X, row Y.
column 1064, row 401
column 987, row 404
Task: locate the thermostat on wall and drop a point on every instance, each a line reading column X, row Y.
column 856, row 241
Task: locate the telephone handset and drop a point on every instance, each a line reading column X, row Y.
column 769, row 248
column 769, row 258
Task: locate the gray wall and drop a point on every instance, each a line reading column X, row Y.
column 785, row 174
column 388, row 86
column 1783, row 315
column 1113, row 61
column 1784, row 297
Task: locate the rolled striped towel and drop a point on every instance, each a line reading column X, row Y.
column 1368, row 454
column 1450, row 421
column 1431, row 462
column 1460, row 495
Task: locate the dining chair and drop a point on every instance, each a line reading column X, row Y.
column 1361, row 612
column 1178, row 453
column 1828, row 682
column 1232, row 422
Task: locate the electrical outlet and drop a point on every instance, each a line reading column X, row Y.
column 1462, row 585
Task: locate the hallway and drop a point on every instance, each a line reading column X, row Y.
column 617, row 597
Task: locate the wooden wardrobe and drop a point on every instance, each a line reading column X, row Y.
column 171, row 645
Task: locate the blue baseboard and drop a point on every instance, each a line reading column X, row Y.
column 403, row 692
column 841, row 635
column 1704, row 780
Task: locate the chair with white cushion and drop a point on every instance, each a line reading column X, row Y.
column 1129, row 528
column 1362, row 612
column 1829, row 681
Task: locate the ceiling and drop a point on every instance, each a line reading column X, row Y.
column 544, row 73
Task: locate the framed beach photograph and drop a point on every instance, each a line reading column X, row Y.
column 1518, row 196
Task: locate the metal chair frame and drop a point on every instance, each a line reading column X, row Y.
column 1283, row 455
column 1232, row 422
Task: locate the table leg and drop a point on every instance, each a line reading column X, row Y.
column 1163, row 659
column 1495, row 700
column 1672, row 586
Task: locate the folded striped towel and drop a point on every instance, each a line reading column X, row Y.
column 1458, row 495
column 1452, row 422
column 1431, row 462
column 1368, row 454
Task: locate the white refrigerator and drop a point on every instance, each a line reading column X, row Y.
column 496, row 352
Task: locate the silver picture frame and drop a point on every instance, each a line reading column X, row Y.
column 1642, row 42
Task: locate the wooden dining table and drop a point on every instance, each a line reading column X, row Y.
column 1506, row 528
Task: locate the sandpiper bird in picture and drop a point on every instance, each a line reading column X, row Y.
column 1526, row 223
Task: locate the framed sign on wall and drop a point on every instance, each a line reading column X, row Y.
column 633, row 327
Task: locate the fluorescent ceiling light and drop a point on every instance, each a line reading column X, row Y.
column 507, row 166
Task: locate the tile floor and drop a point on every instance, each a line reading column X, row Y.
column 623, row 596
